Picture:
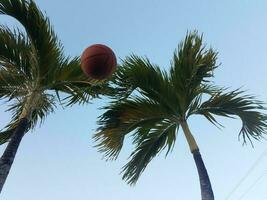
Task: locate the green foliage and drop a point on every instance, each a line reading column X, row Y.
column 15, row 51
column 139, row 114
column 45, row 46
column 151, row 104
column 32, row 62
column 192, row 65
column 234, row 103
column 69, row 79
column 150, row 143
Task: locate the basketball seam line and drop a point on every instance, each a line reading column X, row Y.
column 100, row 54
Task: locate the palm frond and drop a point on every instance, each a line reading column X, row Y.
column 123, row 117
column 191, row 66
column 235, row 103
column 12, row 85
column 45, row 45
column 70, row 79
column 156, row 139
column 15, row 52
column 137, row 74
column 152, row 128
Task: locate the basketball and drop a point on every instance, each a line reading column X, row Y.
column 98, row 61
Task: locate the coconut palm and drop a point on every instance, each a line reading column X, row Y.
column 35, row 75
column 154, row 104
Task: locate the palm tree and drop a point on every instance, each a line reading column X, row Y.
column 35, row 75
column 155, row 104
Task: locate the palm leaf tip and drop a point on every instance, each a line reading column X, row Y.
column 192, row 62
column 156, row 140
column 110, row 147
column 110, row 135
column 254, row 125
column 236, row 103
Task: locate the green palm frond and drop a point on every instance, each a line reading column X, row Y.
column 137, row 74
column 152, row 128
column 70, row 70
column 191, row 66
column 45, row 45
column 15, row 63
column 12, row 85
column 235, row 103
column 123, row 117
column 162, row 135
column 15, row 52
column 70, row 79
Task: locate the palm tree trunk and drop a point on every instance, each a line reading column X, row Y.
column 205, row 185
column 9, row 154
column 11, row 150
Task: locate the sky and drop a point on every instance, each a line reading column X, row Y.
column 58, row 161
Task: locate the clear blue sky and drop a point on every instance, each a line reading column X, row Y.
column 57, row 161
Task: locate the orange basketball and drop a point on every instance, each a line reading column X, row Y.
column 98, row 61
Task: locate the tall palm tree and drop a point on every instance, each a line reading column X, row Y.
column 35, row 75
column 155, row 104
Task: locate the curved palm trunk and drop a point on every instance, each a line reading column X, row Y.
column 205, row 185
column 9, row 154
column 11, row 150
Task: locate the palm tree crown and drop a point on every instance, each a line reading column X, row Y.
column 155, row 103
column 33, row 69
